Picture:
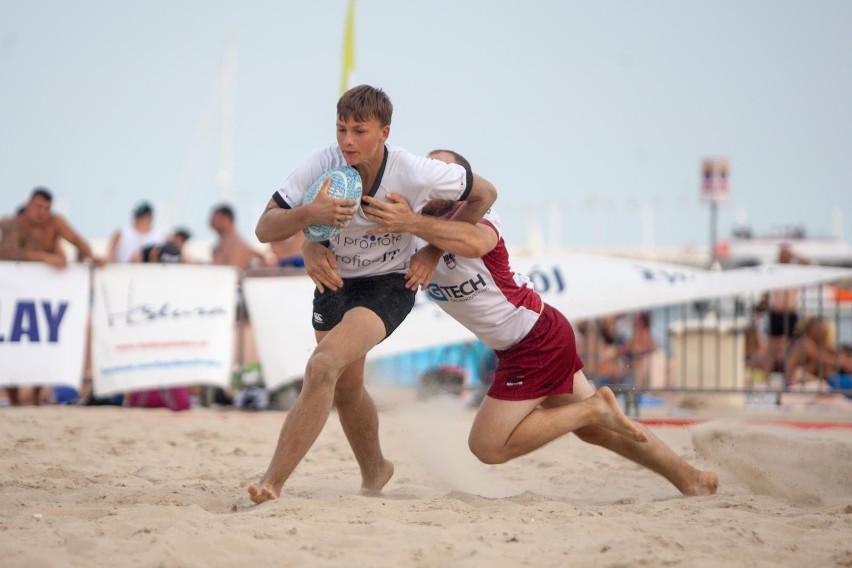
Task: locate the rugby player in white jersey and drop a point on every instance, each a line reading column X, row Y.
column 539, row 392
column 378, row 284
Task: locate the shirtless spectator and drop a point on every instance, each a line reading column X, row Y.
column 132, row 238
column 35, row 233
column 288, row 253
column 231, row 249
column 783, row 313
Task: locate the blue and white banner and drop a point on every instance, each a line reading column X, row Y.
column 162, row 325
column 581, row 286
column 586, row 286
column 43, row 317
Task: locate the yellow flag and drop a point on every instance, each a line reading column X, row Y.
column 348, row 48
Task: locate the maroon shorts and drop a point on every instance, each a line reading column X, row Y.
column 542, row 364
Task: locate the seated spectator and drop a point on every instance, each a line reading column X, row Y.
column 599, row 344
column 637, row 351
column 812, row 360
column 288, row 253
column 169, row 252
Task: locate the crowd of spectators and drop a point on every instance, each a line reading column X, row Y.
column 37, row 233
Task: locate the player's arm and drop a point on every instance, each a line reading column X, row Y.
column 279, row 221
column 458, row 237
column 321, row 266
column 482, row 196
column 113, row 246
column 64, row 230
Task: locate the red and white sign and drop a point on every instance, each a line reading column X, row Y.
column 715, row 180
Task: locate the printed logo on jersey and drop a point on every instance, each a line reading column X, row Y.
column 514, row 382
column 450, row 260
column 318, row 318
column 463, row 292
column 366, row 243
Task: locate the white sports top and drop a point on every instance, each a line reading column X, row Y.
column 131, row 241
column 416, row 178
column 483, row 294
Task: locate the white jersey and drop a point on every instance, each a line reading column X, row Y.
column 483, row 294
column 416, row 178
column 131, row 241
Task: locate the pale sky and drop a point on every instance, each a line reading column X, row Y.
column 589, row 115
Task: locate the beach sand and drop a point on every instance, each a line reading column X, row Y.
column 88, row 486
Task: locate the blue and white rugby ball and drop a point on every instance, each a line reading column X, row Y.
column 345, row 184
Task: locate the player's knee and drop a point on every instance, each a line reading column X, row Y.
column 485, row 452
column 323, row 368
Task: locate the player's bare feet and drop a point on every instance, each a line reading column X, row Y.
column 612, row 417
column 373, row 487
column 262, row 493
column 705, row 483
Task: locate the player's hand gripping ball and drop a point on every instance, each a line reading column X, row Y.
column 345, row 184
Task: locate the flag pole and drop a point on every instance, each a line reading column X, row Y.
column 348, row 65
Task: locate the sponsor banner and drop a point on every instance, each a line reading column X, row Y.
column 580, row 286
column 43, row 318
column 281, row 310
column 162, row 325
column 590, row 286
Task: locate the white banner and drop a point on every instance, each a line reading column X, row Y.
column 43, row 318
column 280, row 309
column 580, row 286
column 162, row 325
column 588, row 286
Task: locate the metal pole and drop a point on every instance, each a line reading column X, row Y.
column 714, row 211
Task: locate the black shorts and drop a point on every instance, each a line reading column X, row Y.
column 384, row 295
column 782, row 323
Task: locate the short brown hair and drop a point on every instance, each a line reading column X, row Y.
column 364, row 102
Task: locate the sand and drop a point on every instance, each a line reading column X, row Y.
column 83, row 486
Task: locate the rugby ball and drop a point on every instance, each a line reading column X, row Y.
column 345, row 184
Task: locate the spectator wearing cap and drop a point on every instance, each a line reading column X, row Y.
column 140, row 233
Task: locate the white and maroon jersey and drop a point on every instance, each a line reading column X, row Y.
column 483, row 294
column 416, row 178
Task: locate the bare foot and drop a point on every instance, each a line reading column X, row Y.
column 611, row 417
column 262, row 494
column 705, row 483
column 373, row 487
